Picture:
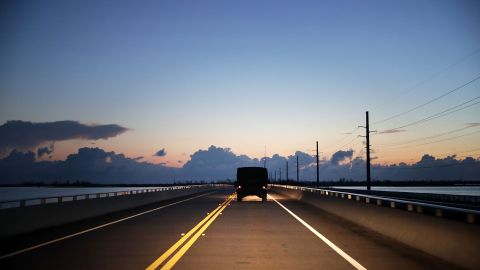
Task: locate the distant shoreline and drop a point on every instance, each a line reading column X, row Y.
column 391, row 183
column 386, row 183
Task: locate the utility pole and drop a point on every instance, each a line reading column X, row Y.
column 265, row 157
column 297, row 170
column 280, row 174
column 367, row 137
column 318, row 175
column 367, row 127
column 275, row 176
column 287, row 169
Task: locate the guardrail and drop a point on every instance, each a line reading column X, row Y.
column 68, row 198
column 467, row 215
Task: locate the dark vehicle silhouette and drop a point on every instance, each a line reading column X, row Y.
column 252, row 181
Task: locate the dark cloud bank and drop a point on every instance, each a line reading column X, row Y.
column 27, row 135
column 215, row 163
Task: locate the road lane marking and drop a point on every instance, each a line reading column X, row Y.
column 192, row 240
column 96, row 228
column 347, row 257
column 175, row 246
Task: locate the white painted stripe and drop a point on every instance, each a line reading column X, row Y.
column 347, row 257
column 96, row 228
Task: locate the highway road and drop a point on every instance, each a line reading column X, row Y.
column 213, row 231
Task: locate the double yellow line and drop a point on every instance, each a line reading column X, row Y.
column 195, row 231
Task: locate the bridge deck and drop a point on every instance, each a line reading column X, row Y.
column 247, row 235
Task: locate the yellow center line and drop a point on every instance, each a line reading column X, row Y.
column 192, row 240
column 175, row 246
column 96, row 228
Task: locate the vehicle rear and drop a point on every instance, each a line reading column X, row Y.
column 252, row 181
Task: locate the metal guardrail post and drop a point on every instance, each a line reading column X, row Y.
column 61, row 199
column 411, row 206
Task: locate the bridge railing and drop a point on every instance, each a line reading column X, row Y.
column 68, row 198
column 456, row 213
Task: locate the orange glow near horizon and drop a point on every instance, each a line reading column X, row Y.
column 384, row 157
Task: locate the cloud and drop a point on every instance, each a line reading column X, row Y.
column 340, row 156
column 88, row 164
column 27, row 135
column 46, row 150
column 217, row 163
column 392, row 131
column 160, row 153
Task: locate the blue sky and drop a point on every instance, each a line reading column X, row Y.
column 184, row 75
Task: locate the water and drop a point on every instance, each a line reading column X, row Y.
column 453, row 190
column 21, row 193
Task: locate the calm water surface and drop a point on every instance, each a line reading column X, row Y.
column 20, row 193
column 454, row 190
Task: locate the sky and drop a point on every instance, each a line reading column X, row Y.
column 174, row 77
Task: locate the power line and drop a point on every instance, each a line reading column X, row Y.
column 433, row 76
column 446, row 139
column 430, row 137
column 348, row 134
column 354, row 139
column 429, row 101
column 440, row 114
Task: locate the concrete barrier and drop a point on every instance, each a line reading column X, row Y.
column 15, row 221
column 452, row 241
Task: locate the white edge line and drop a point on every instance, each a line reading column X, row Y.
column 347, row 257
column 95, row 228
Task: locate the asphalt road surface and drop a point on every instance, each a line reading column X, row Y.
column 213, row 231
